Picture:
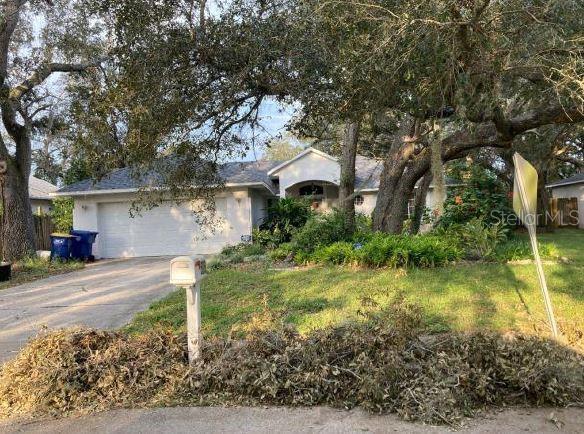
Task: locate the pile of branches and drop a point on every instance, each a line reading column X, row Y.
column 385, row 365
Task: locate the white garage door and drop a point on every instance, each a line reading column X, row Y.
column 164, row 230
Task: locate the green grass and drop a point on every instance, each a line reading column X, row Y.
column 478, row 296
column 30, row 269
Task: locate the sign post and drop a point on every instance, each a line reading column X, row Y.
column 525, row 206
column 189, row 272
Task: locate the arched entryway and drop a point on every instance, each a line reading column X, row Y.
column 323, row 195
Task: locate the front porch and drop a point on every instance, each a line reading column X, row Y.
column 323, row 195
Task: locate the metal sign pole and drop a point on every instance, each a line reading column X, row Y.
column 532, row 237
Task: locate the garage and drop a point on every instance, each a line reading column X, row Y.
column 167, row 229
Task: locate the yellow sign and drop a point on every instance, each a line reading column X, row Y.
column 525, row 206
column 525, row 190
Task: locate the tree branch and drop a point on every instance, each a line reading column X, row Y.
column 43, row 72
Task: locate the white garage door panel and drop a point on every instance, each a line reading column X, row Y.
column 164, row 230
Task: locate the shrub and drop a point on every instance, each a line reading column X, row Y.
column 62, row 214
column 480, row 240
column 321, row 230
column 282, row 252
column 283, row 218
column 390, row 250
column 236, row 254
column 516, row 250
column 341, row 252
column 408, row 251
column 483, row 196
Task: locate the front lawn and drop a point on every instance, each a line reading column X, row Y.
column 31, row 269
column 478, row 296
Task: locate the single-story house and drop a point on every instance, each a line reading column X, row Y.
column 171, row 229
column 40, row 193
column 570, row 188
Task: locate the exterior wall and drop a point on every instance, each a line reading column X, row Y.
column 238, row 215
column 311, row 167
column 569, row 191
column 369, row 201
column 41, row 206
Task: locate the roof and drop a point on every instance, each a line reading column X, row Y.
column 260, row 173
column 576, row 179
column 40, row 189
column 121, row 180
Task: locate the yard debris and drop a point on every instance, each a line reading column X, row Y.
column 388, row 364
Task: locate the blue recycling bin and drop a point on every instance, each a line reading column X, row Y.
column 61, row 246
column 82, row 244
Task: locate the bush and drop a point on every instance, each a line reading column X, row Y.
column 391, row 250
column 284, row 217
column 483, row 197
column 236, row 254
column 408, row 251
column 282, row 252
column 517, row 250
column 321, row 230
column 62, row 214
column 341, row 252
column 480, row 240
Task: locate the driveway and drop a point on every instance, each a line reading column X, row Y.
column 103, row 295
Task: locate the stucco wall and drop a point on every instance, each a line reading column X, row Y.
column 569, row 191
column 311, row 167
column 369, row 201
column 40, row 206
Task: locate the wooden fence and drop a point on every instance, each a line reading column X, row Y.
column 564, row 211
column 43, row 228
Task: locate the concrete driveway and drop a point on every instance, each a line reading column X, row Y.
column 102, row 295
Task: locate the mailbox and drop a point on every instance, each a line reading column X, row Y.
column 184, row 269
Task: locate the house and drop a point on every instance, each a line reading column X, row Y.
column 40, row 193
column 171, row 229
column 570, row 188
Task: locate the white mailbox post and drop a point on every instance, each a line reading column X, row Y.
column 188, row 272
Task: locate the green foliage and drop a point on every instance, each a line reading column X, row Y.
column 341, row 252
column 62, row 214
column 392, row 251
column 408, row 251
column 480, row 240
column 282, row 252
column 483, row 196
column 236, row 254
column 321, row 230
column 267, row 238
column 284, row 217
column 520, row 249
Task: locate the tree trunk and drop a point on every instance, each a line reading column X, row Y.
column 347, row 181
column 420, row 202
column 18, row 225
column 543, row 201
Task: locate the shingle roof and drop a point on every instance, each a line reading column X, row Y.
column 367, row 175
column 40, row 189
column 232, row 173
column 576, row 179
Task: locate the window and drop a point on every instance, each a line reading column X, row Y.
column 359, row 200
column 311, row 190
